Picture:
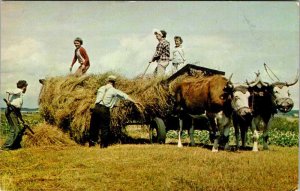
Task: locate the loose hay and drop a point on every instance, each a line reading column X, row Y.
column 65, row 101
column 46, row 135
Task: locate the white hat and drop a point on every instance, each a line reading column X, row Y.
column 157, row 31
column 111, row 78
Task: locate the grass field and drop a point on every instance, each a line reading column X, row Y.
column 146, row 167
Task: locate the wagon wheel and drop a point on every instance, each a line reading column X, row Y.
column 157, row 131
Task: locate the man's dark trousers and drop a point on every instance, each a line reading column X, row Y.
column 14, row 138
column 100, row 125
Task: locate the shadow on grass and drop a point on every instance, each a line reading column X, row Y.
column 129, row 140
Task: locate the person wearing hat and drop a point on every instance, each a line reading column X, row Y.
column 14, row 116
column 82, row 57
column 162, row 53
column 106, row 98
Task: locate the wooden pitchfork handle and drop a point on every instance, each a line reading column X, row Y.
column 146, row 70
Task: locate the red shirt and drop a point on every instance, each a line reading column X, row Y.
column 81, row 56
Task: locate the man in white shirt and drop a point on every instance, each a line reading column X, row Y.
column 107, row 96
column 13, row 115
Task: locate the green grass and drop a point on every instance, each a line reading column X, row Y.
column 148, row 167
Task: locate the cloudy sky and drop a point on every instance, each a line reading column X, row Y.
column 235, row 37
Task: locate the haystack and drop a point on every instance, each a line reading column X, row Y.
column 46, row 135
column 65, row 101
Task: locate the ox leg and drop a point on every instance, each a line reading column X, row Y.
column 191, row 134
column 265, row 134
column 212, row 130
column 265, row 139
column 216, row 142
column 244, row 136
column 254, row 126
column 226, row 138
column 255, row 141
column 213, row 124
column 237, row 136
column 179, row 133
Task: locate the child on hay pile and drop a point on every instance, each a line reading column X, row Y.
column 82, row 57
column 178, row 60
column 107, row 96
column 14, row 116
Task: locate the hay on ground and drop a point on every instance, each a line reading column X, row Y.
column 46, row 135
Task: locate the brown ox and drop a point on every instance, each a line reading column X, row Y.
column 206, row 95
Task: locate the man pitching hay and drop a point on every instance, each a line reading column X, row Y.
column 107, row 96
column 14, row 116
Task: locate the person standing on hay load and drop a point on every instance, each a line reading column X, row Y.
column 162, row 53
column 107, row 96
column 13, row 115
column 82, row 57
column 178, row 60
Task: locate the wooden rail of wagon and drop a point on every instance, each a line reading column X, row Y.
column 189, row 69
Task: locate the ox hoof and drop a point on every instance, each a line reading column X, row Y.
column 180, row 146
column 227, row 148
column 214, row 150
column 255, row 150
column 266, row 148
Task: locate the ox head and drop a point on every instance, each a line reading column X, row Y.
column 240, row 100
column 278, row 92
column 260, row 99
column 281, row 95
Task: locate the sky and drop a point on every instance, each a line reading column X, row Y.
column 234, row 37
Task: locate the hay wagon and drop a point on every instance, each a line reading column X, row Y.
column 158, row 125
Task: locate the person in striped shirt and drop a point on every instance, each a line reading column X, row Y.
column 162, row 53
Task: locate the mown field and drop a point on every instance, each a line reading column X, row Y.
column 148, row 166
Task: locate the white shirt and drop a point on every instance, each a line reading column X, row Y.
column 178, row 55
column 16, row 98
column 79, row 56
column 111, row 95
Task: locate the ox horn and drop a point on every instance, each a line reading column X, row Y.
column 229, row 79
column 296, row 80
column 244, row 85
column 257, row 79
column 262, row 82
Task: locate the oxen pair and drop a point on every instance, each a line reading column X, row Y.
column 265, row 100
column 218, row 99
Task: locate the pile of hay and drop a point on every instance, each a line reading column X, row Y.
column 65, row 102
column 46, row 135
